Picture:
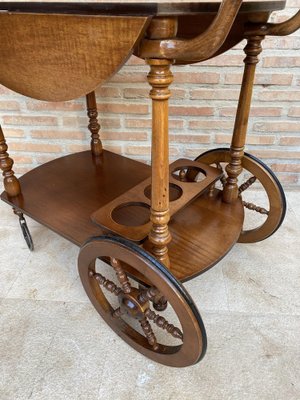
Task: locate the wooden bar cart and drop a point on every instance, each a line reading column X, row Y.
column 157, row 226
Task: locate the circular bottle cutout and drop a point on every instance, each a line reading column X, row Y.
column 131, row 214
column 175, row 192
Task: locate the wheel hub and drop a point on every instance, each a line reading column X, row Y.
column 131, row 304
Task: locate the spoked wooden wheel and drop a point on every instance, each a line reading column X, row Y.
column 273, row 213
column 134, row 302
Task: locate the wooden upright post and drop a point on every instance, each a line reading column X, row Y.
column 94, row 126
column 160, row 77
column 234, row 168
column 11, row 183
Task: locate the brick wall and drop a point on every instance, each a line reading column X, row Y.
column 202, row 112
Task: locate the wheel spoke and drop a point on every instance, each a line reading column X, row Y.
column 117, row 313
column 162, row 323
column 149, row 333
column 121, row 275
column 148, row 294
column 106, row 283
column 247, row 184
column 253, row 207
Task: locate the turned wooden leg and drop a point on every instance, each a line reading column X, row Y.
column 11, row 183
column 160, row 77
column 234, row 168
column 94, row 126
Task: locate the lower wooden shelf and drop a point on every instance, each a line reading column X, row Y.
column 63, row 193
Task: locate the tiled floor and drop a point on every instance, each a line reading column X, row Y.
column 53, row 345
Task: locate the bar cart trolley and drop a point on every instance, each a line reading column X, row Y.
column 158, row 226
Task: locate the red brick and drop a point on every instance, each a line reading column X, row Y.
column 124, row 135
column 143, row 93
column 214, row 94
column 35, row 147
column 20, row 159
column 74, row 148
column 74, row 122
column 226, row 61
column 255, row 112
column 280, row 154
column 290, row 140
column 278, row 126
column 30, row 120
column 190, row 110
column 113, row 149
column 190, row 138
column 108, row 91
column 146, row 150
column 251, row 139
column 279, row 95
column 147, row 123
column 194, row 152
column 138, row 150
column 54, row 106
column 59, row 134
column 9, row 105
column 277, row 167
column 129, row 77
column 294, row 112
column 281, row 62
column 197, row 77
column 21, row 170
column 211, row 125
column 120, row 108
column 287, row 179
column 43, row 158
column 261, row 79
column 13, row 132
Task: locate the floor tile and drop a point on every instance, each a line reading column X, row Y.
column 51, row 350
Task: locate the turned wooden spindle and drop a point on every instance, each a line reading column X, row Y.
column 94, row 126
column 256, row 208
column 106, row 283
column 160, row 77
column 234, row 168
column 121, row 275
column 247, row 184
column 162, row 323
column 148, row 294
column 11, row 183
column 149, row 333
column 117, row 313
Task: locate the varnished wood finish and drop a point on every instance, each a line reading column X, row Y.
column 234, row 168
column 61, row 51
column 189, row 26
column 11, row 183
column 80, row 184
column 134, row 205
column 62, row 57
column 200, row 47
column 280, row 29
column 160, row 77
column 191, row 335
column 271, row 185
column 94, row 126
column 203, row 232
column 136, row 7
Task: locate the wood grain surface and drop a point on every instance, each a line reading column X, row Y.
column 62, row 57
